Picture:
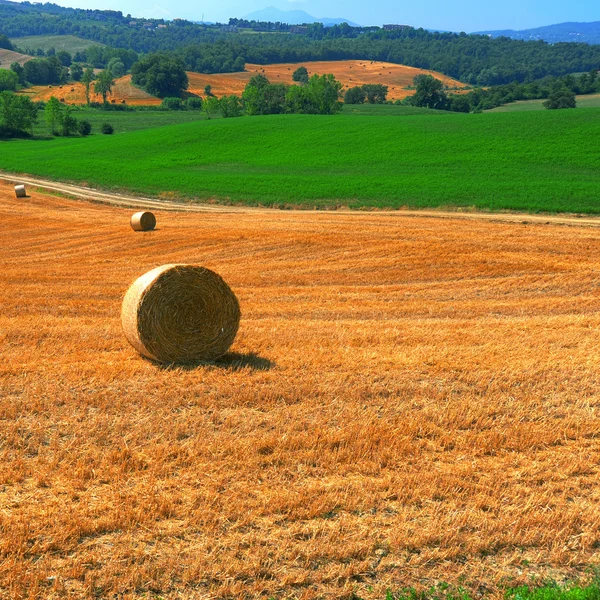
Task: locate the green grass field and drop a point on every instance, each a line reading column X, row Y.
column 70, row 43
column 126, row 121
column 388, row 110
column 531, row 161
column 588, row 101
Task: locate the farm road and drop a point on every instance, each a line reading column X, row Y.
column 131, row 201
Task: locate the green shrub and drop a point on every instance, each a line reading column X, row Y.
column 84, row 128
column 107, row 129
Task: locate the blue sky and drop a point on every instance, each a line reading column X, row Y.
column 464, row 15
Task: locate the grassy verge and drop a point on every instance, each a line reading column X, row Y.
column 549, row 591
column 530, row 161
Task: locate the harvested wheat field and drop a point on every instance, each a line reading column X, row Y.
column 74, row 93
column 349, row 72
column 7, row 57
column 408, row 400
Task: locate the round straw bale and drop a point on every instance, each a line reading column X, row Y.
column 143, row 221
column 20, row 191
column 180, row 314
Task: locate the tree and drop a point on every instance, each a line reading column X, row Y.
column 231, row 106
column 9, row 80
column 84, row 128
column 41, row 71
column 429, row 92
column 20, row 71
column 76, row 72
column 355, row 95
column 64, row 57
column 116, row 67
column 107, row 129
column 104, row 83
column 300, row 75
column 172, row 104
column 325, row 92
column 210, row 106
column 160, row 74
column 194, row 103
column 88, row 77
column 561, row 99
column 52, row 114
column 67, row 122
column 5, row 43
column 376, row 93
column 208, row 90
column 17, row 113
column 460, row 104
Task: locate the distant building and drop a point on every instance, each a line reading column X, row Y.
column 132, row 23
column 162, row 26
column 396, row 27
column 299, row 29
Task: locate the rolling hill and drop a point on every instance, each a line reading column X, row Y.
column 7, row 57
column 293, row 17
column 561, row 32
column 349, row 72
column 70, row 43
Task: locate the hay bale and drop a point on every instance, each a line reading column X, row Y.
column 143, row 221
column 20, row 191
column 180, row 314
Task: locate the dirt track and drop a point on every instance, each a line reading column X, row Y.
column 125, row 200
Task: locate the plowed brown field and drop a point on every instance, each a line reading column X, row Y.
column 409, row 400
column 350, row 72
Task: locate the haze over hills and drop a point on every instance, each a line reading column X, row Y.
column 561, row 32
column 293, row 17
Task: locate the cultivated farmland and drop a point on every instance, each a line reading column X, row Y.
column 529, row 161
column 349, row 72
column 70, row 43
column 409, row 399
column 7, row 57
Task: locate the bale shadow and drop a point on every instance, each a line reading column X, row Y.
column 232, row 361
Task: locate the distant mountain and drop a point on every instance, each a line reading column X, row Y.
column 562, row 32
column 292, row 17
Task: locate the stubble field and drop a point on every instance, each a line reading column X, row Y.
column 350, row 72
column 409, row 399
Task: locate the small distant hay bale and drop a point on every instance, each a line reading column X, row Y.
column 180, row 314
column 20, row 191
column 143, row 221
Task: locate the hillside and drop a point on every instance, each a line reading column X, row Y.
column 493, row 161
column 350, row 73
column 7, row 57
column 588, row 33
column 70, row 43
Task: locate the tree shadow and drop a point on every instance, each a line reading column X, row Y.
column 232, row 361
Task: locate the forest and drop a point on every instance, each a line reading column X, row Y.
column 474, row 59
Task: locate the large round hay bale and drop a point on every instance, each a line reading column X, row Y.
column 180, row 314
column 143, row 221
column 20, row 191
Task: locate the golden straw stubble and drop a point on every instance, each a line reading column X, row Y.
column 143, row 221
column 180, row 314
